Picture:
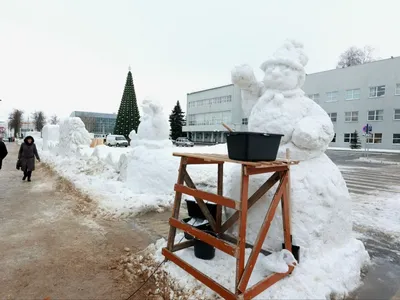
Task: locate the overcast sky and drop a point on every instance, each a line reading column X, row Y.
column 60, row 56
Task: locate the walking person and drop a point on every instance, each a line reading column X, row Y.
column 3, row 152
column 26, row 157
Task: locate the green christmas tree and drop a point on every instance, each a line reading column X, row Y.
column 177, row 121
column 128, row 117
column 355, row 141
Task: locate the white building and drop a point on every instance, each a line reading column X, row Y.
column 208, row 109
column 353, row 97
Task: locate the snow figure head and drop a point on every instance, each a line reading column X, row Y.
column 285, row 70
column 153, row 123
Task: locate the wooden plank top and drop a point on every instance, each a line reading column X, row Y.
column 221, row 158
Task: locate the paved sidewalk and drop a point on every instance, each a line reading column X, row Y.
column 47, row 249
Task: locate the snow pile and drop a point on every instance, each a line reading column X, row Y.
column 151, row 182
column 155, row 171
column 72, row 135
column 51, row 136
column 316, row 277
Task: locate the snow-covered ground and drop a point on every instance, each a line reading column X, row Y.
column 95, row 172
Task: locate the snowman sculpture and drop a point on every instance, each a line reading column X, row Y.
column 320, row 201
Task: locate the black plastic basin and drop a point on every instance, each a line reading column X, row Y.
column 253, row 146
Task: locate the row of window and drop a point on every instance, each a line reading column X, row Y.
column 215, row 118
column 374, row 138
column 373, row 115
column 211, row 101
column 355, row 94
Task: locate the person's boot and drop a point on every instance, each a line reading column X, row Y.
column 25, row 175
column 29, row 176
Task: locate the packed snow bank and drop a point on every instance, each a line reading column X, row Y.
column 316, row 277
column 51, row 136
column 72, row 135
column 149, row 186
column 155, row 171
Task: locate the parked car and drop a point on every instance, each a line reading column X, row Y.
column 116, row 140
column 183, row 142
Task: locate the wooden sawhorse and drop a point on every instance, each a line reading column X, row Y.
column 224, row 242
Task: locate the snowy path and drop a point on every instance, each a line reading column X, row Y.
column 50, row 249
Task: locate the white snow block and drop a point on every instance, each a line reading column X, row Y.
column 51, row 136
column 72, row 135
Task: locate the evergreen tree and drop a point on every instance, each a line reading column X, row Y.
column 177, row 121
column 355, row 141
column 128, row 117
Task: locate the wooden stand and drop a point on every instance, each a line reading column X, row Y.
column 225, row 242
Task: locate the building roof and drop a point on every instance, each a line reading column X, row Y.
column 365, row 65
column 214, row 88
column 93, row 114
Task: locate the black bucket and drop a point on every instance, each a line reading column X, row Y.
column 194, row 210
column 253, row 146
column 203, row 250
column 203, row 227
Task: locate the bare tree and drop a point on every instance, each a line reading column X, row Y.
column 39, row 119
column 15, row 121
column 355, row 56
column 54, row 120
column 90, row 123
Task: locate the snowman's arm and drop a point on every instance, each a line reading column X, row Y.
column 313, row 132
column 243, row 77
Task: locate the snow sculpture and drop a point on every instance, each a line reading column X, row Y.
column 153, row 124
column 51, row 136
column 320, row 201
column 73, row 135
column 153, row 130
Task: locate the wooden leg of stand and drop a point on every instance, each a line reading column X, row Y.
column 286, row 215
column 177, row 204
column 241, row 245
column 220, row 190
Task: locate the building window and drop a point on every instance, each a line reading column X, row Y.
column 375, row 115
column 348, row 137
column 396, row 138
column 351, row 116
column 334, row 139
column 332, row 96
column 353, row 94
column 375, row 138
column 397, row 91
column 333, row 116
column 314, row 97
column 377, row 91
column 245, row 121
column 396, row 114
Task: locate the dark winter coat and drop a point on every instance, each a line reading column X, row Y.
column 27, row 154
column 3, row 152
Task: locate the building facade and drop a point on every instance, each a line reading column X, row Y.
column 352, row 97
column 208, row 109
column 360, row 95
column 97, row 123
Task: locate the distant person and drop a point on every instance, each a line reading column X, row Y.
column 26, row 157
column 3, row 152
